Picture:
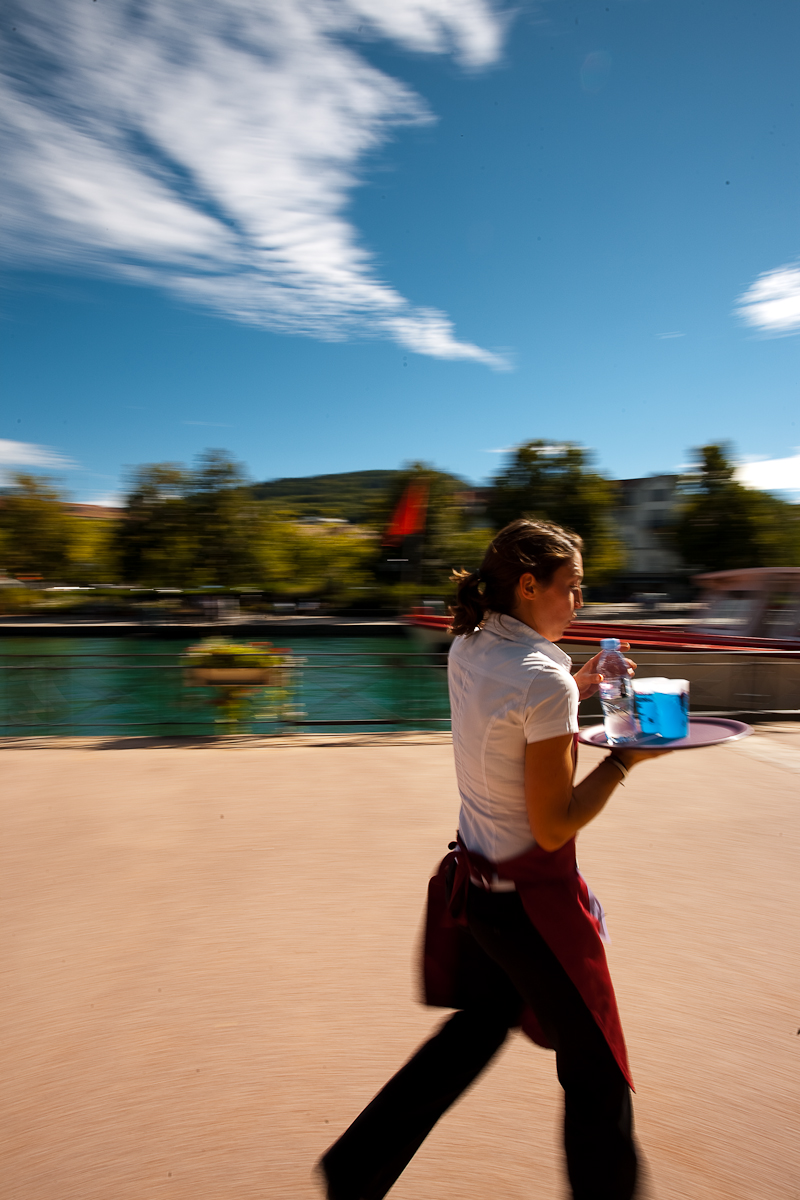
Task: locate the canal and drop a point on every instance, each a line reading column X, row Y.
column 84, row 686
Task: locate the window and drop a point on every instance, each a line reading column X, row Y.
column 731, row 612
column 781, row 616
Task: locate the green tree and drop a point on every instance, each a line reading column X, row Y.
column 156, row 542
column 331, row 562
column 91, row 550
column 556, row 483
column 193, row 528
column 35, row 532
column 723, row 525
column 204, row 527
column 229, row 524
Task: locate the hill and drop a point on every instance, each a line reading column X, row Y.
column 352, row 495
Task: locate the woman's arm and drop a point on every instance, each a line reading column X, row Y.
column 556, row 808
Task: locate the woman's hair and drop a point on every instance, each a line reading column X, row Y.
column 524, row 547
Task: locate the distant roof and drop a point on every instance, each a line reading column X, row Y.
column 648, row 479
column 749, row 578
column 98, row 512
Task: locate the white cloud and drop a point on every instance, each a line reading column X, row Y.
column 772, row 303
column 470, row 27
column 771, row 474
column 104, row 499
column 595, row 71
column 211, row 147
column 549, row 450
column 28, row 454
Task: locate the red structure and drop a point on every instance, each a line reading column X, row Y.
column 409, row 516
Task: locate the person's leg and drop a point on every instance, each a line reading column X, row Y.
column 598, row 1122
column 368, row 1158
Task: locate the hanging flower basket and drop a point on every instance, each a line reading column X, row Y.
column 220, row 661
column 239, row 672
column 259, row 676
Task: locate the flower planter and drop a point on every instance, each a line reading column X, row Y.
column 244, row 682
column 233, row 676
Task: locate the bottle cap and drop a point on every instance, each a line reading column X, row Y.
column 609, row 643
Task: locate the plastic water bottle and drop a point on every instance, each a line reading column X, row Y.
column 616, row 693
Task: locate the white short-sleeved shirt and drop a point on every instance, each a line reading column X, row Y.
column 508, row 686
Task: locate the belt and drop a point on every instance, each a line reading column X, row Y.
column 495, row 884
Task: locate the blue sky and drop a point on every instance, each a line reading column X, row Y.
column 340, row 236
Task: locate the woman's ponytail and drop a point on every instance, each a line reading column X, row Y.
column 469, row 609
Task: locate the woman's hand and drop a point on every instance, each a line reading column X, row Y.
column 587, row 678
column 629, row 758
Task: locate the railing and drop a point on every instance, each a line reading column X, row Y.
column 730, row 683
column 144, row 692
column 149, row 692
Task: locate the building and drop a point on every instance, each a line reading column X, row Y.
column 647, row 509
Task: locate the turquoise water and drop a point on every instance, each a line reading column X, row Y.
column 133, row 687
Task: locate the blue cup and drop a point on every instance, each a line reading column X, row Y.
column 662, row 707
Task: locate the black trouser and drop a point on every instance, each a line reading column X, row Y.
column 601, row 1159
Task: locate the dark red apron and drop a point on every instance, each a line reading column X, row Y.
column 559, row 905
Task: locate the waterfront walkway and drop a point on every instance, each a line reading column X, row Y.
column 211, row 956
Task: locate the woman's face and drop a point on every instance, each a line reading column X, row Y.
column 549, row 608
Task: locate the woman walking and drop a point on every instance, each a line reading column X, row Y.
column 513, row 934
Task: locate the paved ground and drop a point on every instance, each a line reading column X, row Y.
column 211, row 967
